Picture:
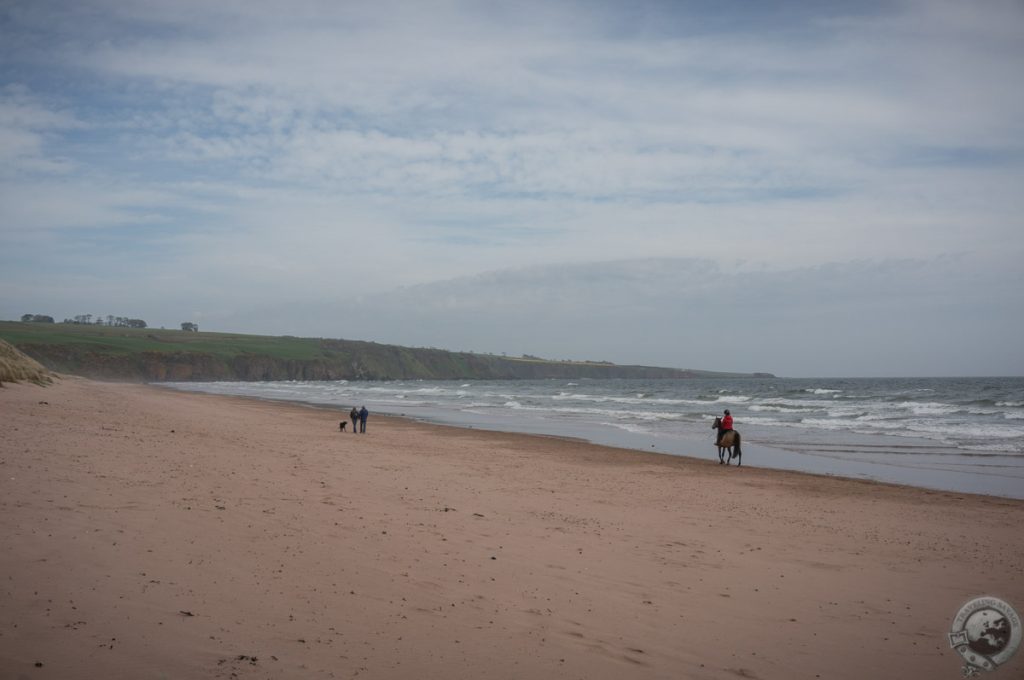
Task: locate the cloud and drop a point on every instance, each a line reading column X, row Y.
column 250, row 154
column 27, row 126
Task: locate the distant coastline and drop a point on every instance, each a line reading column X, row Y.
column 151, row 355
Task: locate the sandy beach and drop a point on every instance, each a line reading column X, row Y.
column 157, row 534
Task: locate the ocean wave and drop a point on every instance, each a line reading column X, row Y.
column 964, row 434
column 618, row 415
column 851, row 412
column 628, row 427
column 779, row 408
column 929, row 408
column 403, row 402
column 619, row 399
column 720, row 398
column 875, row 416
column 797, row 403
column 733, row 399
column 974, row 411
column 965, row 430
column 1004, row 449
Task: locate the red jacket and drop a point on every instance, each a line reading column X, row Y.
column 727, row 423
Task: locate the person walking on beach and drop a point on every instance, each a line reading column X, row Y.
column 354, row 415
column 363, row 414
column 726, row 426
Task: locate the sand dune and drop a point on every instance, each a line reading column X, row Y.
column 16, row 366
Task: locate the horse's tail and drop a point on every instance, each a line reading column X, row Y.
column 738, row 452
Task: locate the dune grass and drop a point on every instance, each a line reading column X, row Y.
column 15, row 367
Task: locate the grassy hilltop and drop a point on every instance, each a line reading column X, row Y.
column 146, row 354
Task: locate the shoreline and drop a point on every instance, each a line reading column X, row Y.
column 922, row 471
column 656, row 456
column 155, row 531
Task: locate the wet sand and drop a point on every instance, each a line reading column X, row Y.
column 157, row 534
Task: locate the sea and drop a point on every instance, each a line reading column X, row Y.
column 952, row 434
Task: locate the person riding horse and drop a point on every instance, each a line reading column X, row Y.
column 728, row 439
column 726, row 426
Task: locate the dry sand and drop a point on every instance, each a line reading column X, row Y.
column 155, row 534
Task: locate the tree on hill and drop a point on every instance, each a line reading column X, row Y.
column 190, row 327
column 118, row 321
column 36, row 318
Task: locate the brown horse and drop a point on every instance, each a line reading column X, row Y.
column 730, row 442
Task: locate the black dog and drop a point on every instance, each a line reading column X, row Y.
column 341, row 425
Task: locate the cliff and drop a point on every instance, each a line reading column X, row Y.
column 156, row 356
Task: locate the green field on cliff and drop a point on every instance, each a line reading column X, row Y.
column 148, row 354
column 116, row 340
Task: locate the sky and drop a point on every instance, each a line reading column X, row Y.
column 807, row 189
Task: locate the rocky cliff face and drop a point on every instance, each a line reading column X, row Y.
column 177, row 366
